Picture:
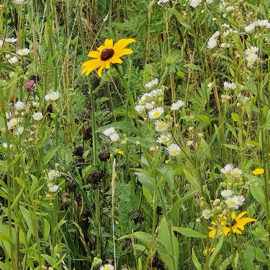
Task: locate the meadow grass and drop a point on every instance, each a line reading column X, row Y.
column 134, row 134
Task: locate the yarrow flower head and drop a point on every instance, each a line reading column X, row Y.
column 37, row 116
column 229, row 85
column 52, row 96
column 109, row 131
column 156, row 113
column 19, row 105
column 227, row 169
column 226, row 193
column 106, row 55
column 152, row 83
column 174, row 150
column 177, row 105
column 53, row 188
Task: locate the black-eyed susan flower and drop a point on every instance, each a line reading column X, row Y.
column 238, row 223
column 258, row 171
column 106, row 55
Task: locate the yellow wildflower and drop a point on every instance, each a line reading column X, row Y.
column 107, row 54
column 258, row 171
column 208, row 251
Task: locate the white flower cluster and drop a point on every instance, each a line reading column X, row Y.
column 162, row 2
column 251, row 55
column 230, row 170
column 195, row 3
column 52, row 96
column 112, row 134
column 235, row 202
column 212, row 42
column 229, row 85
column 261, row 23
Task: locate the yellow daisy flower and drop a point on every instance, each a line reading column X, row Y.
column 238, row 223
column 258, row 171
column 107, row 54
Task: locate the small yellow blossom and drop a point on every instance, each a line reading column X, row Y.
column 208, row 251
column 258, row 171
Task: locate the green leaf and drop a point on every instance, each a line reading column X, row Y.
column 189, row 232
column 168, row 174
column 50, row 154
column 217, row 249
column 235, row 117
column 191, row 179
column 196, row 261
column 168, row 246
column 231, row 146
column 258, row 194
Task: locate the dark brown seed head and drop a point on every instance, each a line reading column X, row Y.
column 78, row 151
column 106, row 54
column 95, row 178
column 104, row 156
column 71, row 184
column 87, row 134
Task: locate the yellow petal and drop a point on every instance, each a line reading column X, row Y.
column 116, row 60
column 100, row 69
column 108, row 64
column 212, row 233
column 108, row 44
column 124, row 52
column 101, row 48
column 122, row 43
column 233, row 215
column 94, row 54
column 240, row 215
column 90, row 65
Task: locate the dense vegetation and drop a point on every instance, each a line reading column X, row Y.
column 134, row 134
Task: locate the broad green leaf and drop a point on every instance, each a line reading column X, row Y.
column 189, row 232
column 215, row 252
column 50, row 154
column 196, row 261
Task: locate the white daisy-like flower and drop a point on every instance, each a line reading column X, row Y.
column 229, row 85
column 53, row 174
column 10, row 40
column 7, row 56
column 161, row 126
column 139, row 108
column 13, row 60
column 37, row 116
column 235, row 202
column 19, row 130
column 12, row 123
column 5, row 145
column 236, row 172
column 156, row 113
column 163, row 138
column 18, row 2
column 195, row 3
column 1, row 43
column 109, row 131
column 23, row 51
column 226, row 193
column 230, row 8
column 152, row 83
column 251, row 59
column 251, row 50
column 174, row 150
column 250, row 27
column 114, row 137
column 206, row 213
column 107, row 267
column 212, row 43
column 19, row 105
column 156, row 93
column 53, row 188
column 262, row 23
column 52, row 96
column 177, row 105
column 8, row 115
column 227, row 169
column 162, row 2
column 149, row 106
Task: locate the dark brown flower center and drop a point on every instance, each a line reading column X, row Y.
column 106, row 54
